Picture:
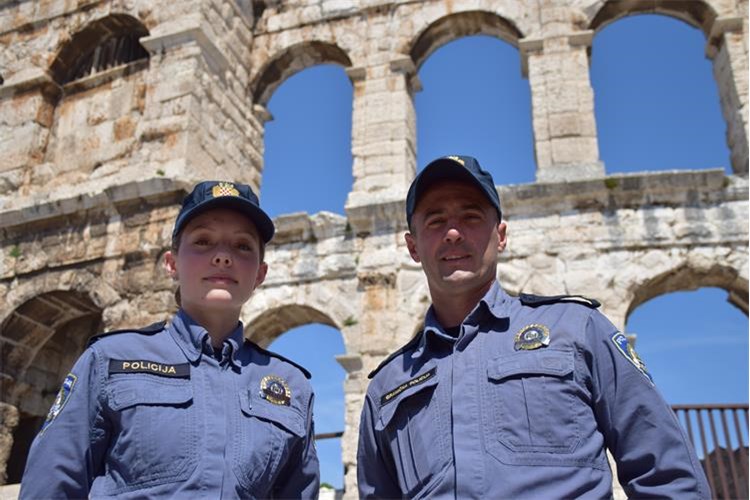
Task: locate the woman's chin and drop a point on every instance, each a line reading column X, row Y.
column 219, row 297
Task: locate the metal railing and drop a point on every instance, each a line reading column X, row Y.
column 722, row 430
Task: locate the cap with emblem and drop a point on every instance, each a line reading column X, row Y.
column 460, row 168
column 217, row 194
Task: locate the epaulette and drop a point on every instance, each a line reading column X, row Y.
column 528, row 299
column 403, row 348
column 148, row 330
column 279, row 356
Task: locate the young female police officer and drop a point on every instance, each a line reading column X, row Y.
column 186, row 408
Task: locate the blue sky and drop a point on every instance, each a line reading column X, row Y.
column 657, row 108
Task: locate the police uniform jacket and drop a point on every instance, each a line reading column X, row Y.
column 521, row 404
column 158, row 413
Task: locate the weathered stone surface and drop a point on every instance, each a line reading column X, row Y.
column 92, row 171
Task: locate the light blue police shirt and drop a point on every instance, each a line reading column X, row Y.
column 153, row 413
column 522, row 404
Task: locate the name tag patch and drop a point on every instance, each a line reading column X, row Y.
column 419, row 379
column 181, row 370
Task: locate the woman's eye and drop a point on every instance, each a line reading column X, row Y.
column 245, row 247
column 201, row 242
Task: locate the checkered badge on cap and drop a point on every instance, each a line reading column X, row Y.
column 224, row 189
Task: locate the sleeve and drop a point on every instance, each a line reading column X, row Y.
column 653, row 454
column 68, row 453
column 374, row 477
column 301, row 478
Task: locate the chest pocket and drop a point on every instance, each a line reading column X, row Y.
column 155, row 431
column 536, row 402
column 266, row 434
column 415, row 426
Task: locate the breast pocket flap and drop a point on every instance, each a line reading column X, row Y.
column 402, row 394
column 546, row 362
column 149, row 392
column 286, row 417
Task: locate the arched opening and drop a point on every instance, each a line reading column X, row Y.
column 101, row 45
column 657, row 105
column 95, row 124
column 307, row 159
column 310, row 337
column 315, row 346
column 41, row 339
column 293, row 60
column 695, row 347
column 698, row 357
column 474, row 100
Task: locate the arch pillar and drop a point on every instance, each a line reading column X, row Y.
column 355, row 386
column 196, row 102
column 383, row 130
column 8, row 424
column 562, row 103
column 727, row 48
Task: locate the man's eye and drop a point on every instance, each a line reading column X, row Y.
column 246, row 247
column 202, row 242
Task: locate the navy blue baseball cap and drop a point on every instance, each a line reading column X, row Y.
column 452, row 168
column 207, row 195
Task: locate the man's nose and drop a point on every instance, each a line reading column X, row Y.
column 453, row 234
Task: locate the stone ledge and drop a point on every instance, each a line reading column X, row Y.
column 673, row 188
column 301, row 227
column 111, row 196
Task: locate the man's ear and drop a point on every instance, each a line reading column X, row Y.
column 261, row 276
column 502, row 236
column 170, row 264
column 411, row 244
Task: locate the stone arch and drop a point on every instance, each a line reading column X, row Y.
column 41, row 340
column 290, row 61
column 104, row 43
column 270, row 324
column 698, row 13
column 686, row 277
column 461, row 24
column 40, row 333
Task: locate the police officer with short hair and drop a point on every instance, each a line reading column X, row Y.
column 187, row 408
column 509, row 397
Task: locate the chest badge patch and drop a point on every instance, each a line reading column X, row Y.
column 531, row 337
column 274, row 389
column 627, row 350
column 62, row 397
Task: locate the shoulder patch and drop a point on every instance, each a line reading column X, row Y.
column 530, row 300
column 627, row 350
column 390, row 358
column 279, row 356
column 62, row 398
column 148, row 330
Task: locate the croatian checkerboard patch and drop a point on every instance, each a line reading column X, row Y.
column 627, row 350
column 62, row 397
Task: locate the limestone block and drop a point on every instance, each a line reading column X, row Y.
column 581, row 150
column 21, row 145
column 564, row 125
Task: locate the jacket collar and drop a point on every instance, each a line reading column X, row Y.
column 495, row 302
column 191, row 337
